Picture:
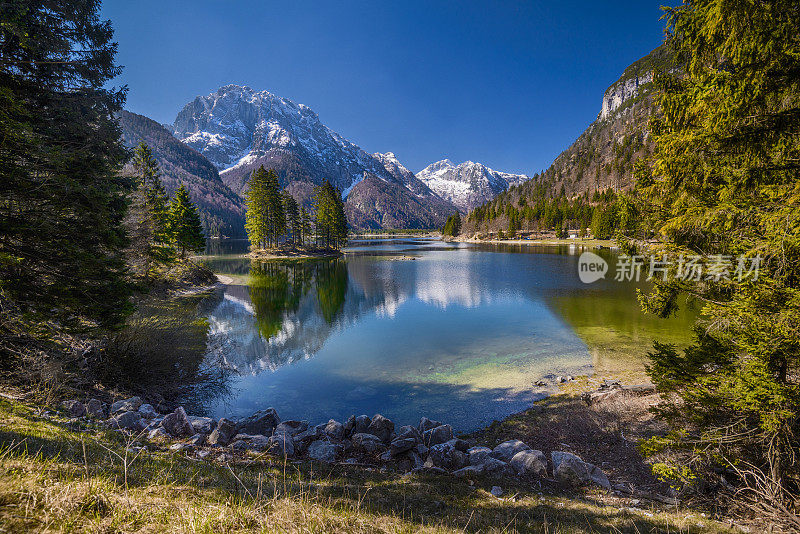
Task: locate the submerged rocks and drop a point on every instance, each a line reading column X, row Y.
column 262, row 422
column 571, row 469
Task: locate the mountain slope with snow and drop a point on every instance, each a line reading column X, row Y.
column 239, row 129
column 467, row 184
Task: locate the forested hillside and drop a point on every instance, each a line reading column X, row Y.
column 601, row 159
column 221, row 210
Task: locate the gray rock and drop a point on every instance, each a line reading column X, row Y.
column 198, row 440
column 349, row 425
column 291, row 427
column 437, row 435
column 382, row 427
column 497, row 468
column 127, row 405
column 74, row 408
column 223, row 434
column 469, row 471
column 497, row 491
column 506, row 450
column 334, row 430
column 408, row 431
column 478, row 455
column 127, row 420
column 368, row 443
column 446, row 456
column 147, row 411
column 97, row 408
column 281, row 445
column 426, row 424
column 262, row 422
column 458, row 444
column 181, row 447
column 416, row 459
column 401, row 445
column 312, row 434
column 361, row 424
column 250, row 442
column 325, row 451
column 158, row 434
column 202, row 425
column 421, row 449
column 177, row 423
column 529, row 463
column 573, row 470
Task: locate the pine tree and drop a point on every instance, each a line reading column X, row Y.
column 61, row 199
column 724, row 183
column 276, row 217
column 185, row 227
column 292, row 217
column 257, row 214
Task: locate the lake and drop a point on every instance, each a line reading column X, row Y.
column 411, row 327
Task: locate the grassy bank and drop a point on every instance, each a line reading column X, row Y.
column 57, row 476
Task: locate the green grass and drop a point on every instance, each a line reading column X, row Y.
column 58, row 476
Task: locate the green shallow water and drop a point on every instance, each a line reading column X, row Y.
column 410, row 327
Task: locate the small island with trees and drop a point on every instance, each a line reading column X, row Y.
column 279, row 227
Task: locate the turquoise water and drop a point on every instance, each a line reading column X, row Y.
column 402, row 327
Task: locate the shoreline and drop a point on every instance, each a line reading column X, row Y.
column 594, row 243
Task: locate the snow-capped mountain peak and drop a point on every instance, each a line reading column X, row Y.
column 468, row 184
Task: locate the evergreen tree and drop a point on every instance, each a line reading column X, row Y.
column 292, row 217
column 185, row 227
column 276, row 220
column 62, row 201
column 305, row 226
column 724, row 183
column 331, row 223
column 452, row 226
column 257, row 214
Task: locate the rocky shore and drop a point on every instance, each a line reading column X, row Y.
column 429, row 447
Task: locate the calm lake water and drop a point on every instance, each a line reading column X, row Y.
column 408, row 327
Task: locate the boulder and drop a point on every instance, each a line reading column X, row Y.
column 222, row 435
column 362, row 423
column 573, row 470
column 325, row 451
column 262, row 422
column 74, row 408
column 334, row 430
column 382, row 427
column 446, row 456
column 198, row 440
column 128, row 420
column 202, row 425
column 469, row 471
column 401, row 445
column 529, row 463
column 250, row 442
column 281, row 445
column 97, row 408
column 147, row 411
column 309, row 435
column 127, row 405
column 177, row 423
column 368, row 443
column 497, row 491
column 158, row 434
column 426, row 424
column 497, row 468
column 291, row 427
column 458, row 444
column 437, row 435
column 478, row 455
column 408, row 431
column 349, row 425
column 506, row 450
column 181, row 447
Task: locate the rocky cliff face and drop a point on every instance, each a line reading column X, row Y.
column 623, row 91
column 468, row 184
column 239, row 129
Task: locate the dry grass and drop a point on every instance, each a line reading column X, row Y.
column 56, row 476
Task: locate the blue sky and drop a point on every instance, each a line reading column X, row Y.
column 509, row 84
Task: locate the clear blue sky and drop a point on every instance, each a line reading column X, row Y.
column 509, row 84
